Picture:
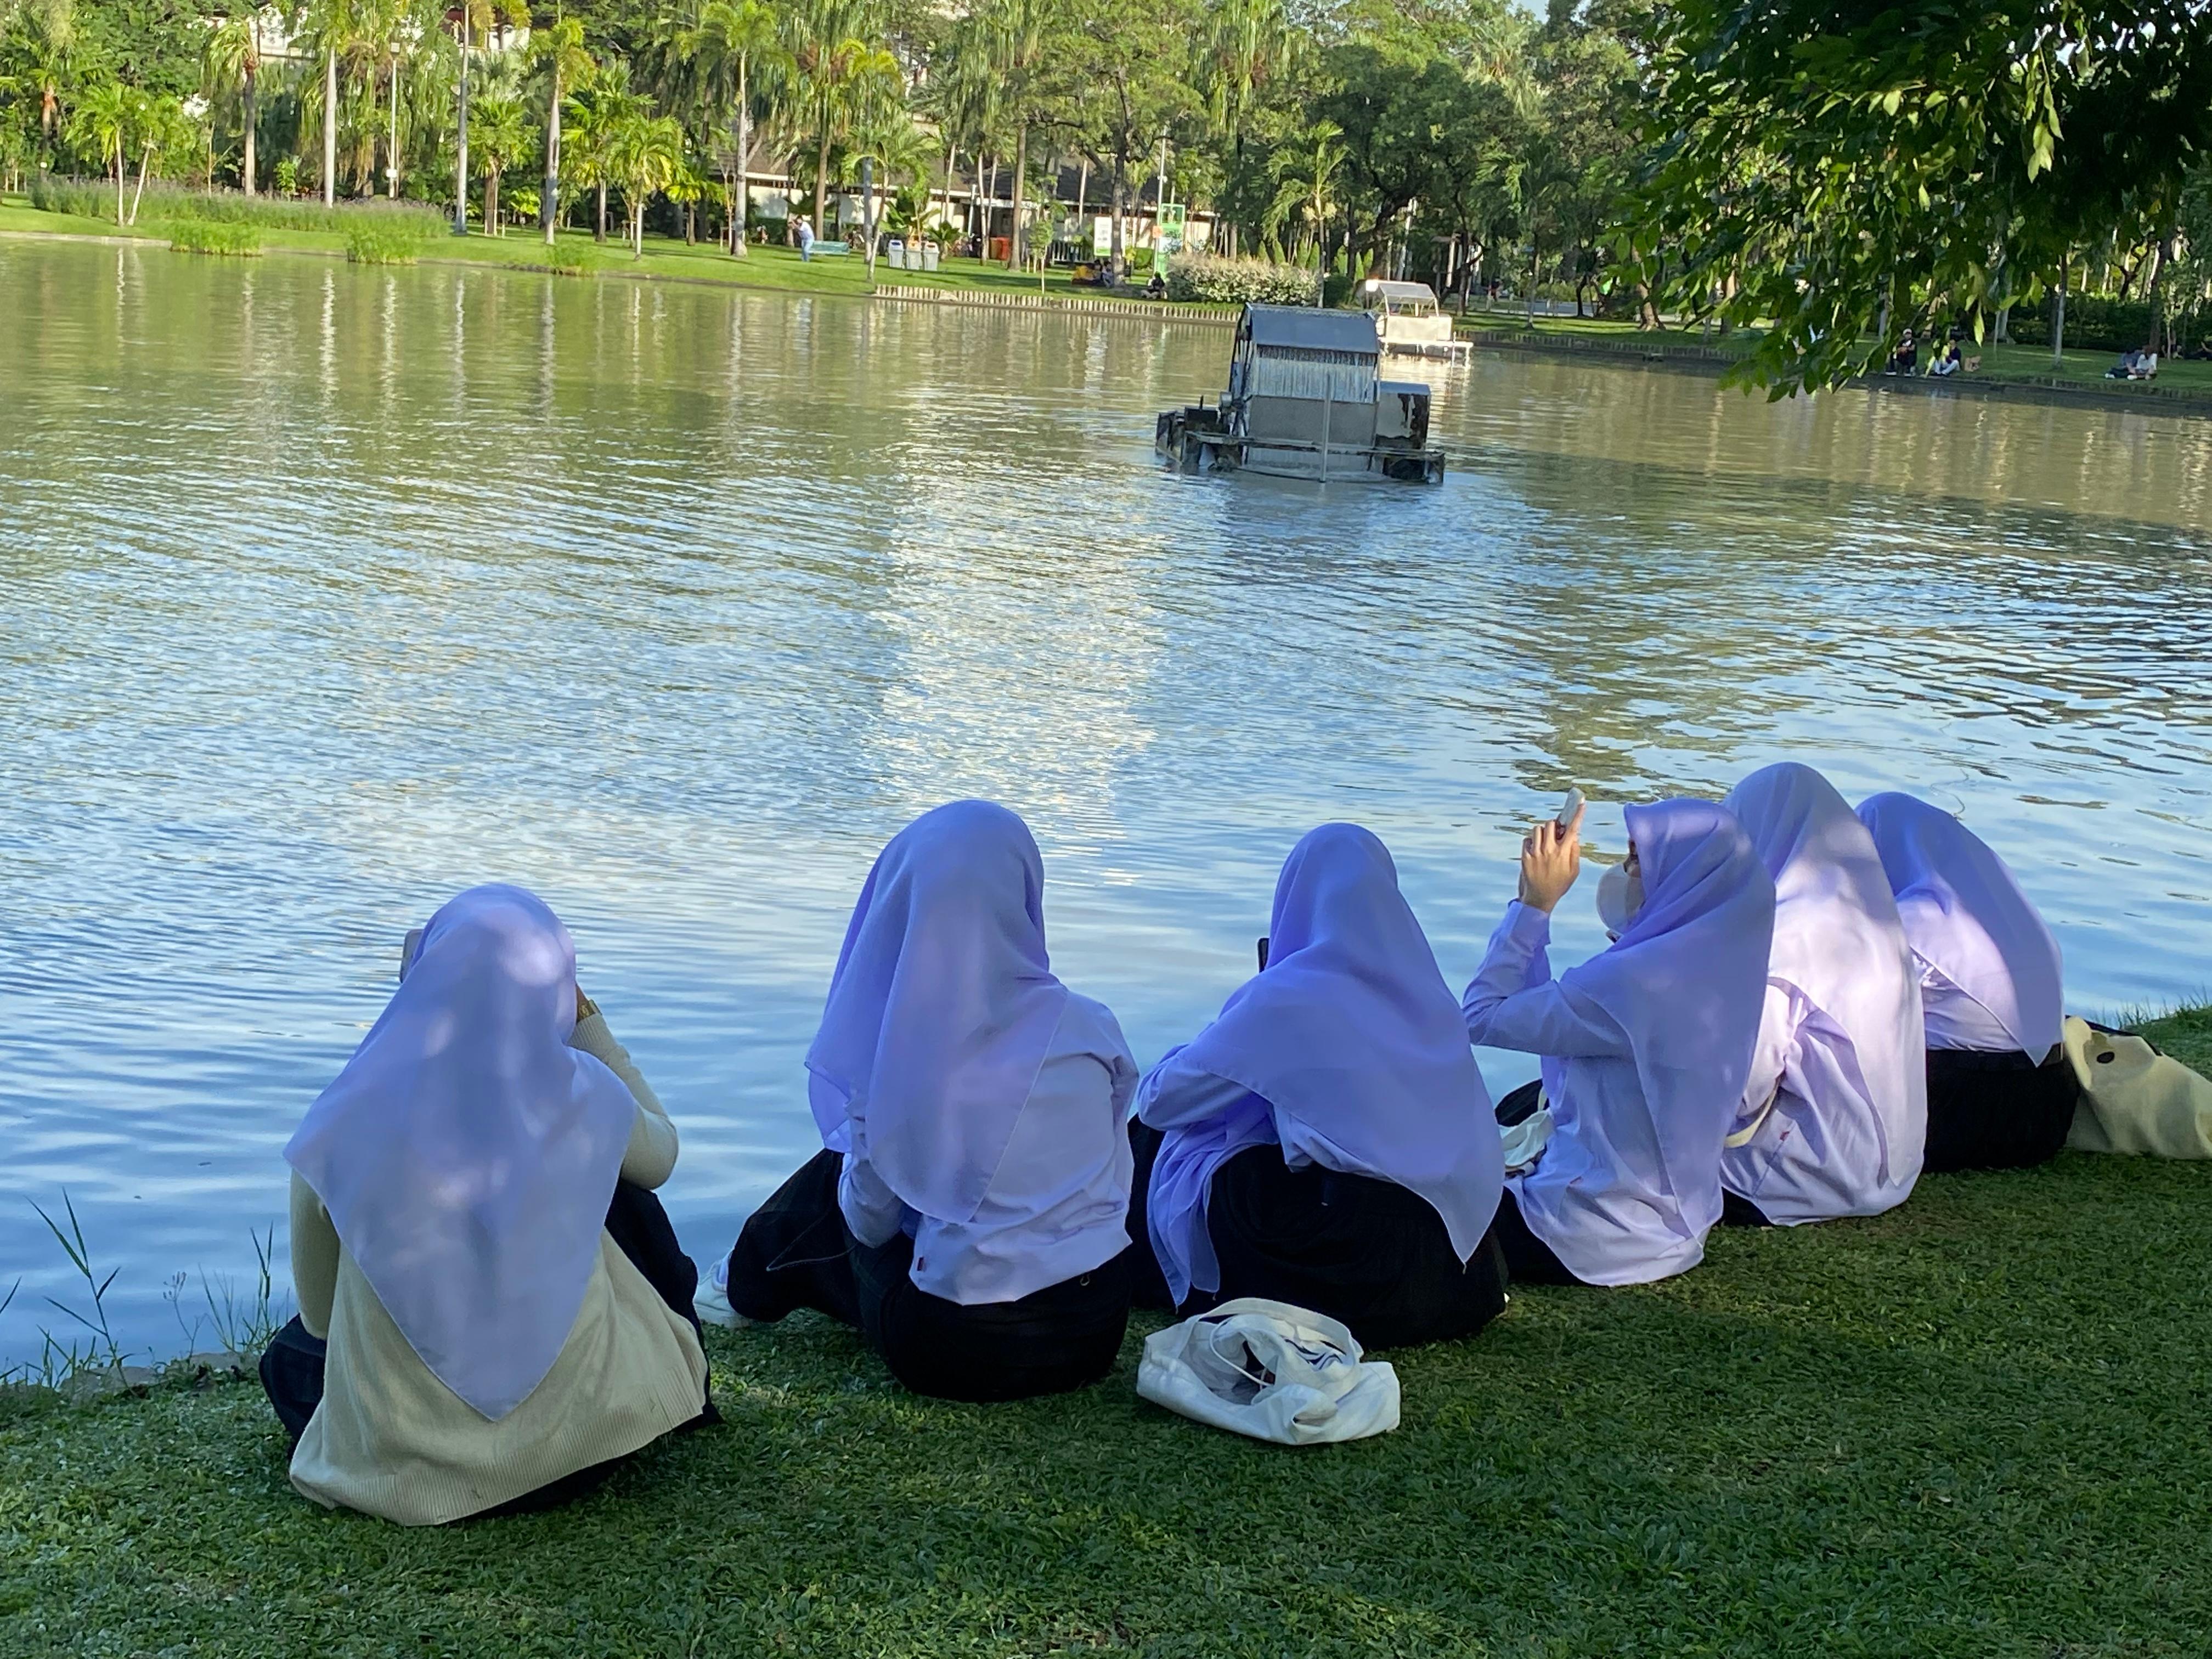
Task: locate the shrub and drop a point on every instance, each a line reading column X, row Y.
column 567, row 261
column 215, row 236
column 2093, row 323
column 386, row 241
column 173, row 204
column 1237, row 281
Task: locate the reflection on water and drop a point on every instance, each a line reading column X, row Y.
column 329, row 591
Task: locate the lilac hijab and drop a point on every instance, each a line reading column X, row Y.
column 466, row 1154
column 1687, row 981
column 1966, row 917
column 1838, row 939
column 1351, row 1032
column 942, row 1008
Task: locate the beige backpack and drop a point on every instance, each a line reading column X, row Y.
column 2134, row 1099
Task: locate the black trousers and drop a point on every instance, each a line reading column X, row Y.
column 1367, row 1253
column 1528, row 1258
column 796, row 1251
column 292, row 1365
column 1998, row 1111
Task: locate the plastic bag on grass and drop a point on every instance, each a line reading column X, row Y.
column 1272, row 1371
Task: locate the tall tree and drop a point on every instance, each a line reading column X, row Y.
column 1309, row 174
column 105, row 120
column 502, row 133
column 233, row 61
column 723, row 47
column 1848, row 171
column 842, row 71
column 558, row 56
column 644, row 154
column 1132, row 55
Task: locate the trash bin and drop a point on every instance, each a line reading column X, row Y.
column 998, row 247
column 929, row 256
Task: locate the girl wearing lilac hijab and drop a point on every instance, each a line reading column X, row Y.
column 493, row 1308
column 966, row 1209
column 1645, row 1046
column 1834, row 1119
column 2000, row 1092
column 1327, row 1140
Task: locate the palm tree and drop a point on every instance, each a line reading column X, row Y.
column 645, row 154
column 163, row 129
column 502, row 138
column 843, row 74
column 45, row 47
column 104, row 120
column 597, row 114
column 1016, row 47
column 557, row 51
column 724, row 44
column 332, row 27
column 893, row 141
column 1244, row 45
column 1307, row 172
column 234, row 59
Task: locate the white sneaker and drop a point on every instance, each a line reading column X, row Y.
column 712, row 1303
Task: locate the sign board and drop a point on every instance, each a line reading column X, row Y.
column 1168, row 229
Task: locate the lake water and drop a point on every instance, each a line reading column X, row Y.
column 329, row 591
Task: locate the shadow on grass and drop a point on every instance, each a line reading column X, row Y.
column 1974, row 1426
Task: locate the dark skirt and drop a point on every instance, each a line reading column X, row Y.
column 1367, row 1253
column 796, row 1251
column 1528, row 1258
column 292, row 1365
column 1989, row 1111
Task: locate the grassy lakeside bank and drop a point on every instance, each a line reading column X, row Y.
column 1970, row 1427
column 2003, row 365
column 666, row 259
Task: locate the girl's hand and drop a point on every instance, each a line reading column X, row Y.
column 1551, row 857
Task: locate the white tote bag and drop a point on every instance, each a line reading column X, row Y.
column 1272, row 1371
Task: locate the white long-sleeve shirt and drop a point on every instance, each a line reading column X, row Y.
column 1955, row 1018
column 1058, row 1204
column 1598, row 1193
column 1810, row 1144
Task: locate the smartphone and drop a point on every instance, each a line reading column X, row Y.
column 1569, row 807
column 408, row 947
column 1263, row 956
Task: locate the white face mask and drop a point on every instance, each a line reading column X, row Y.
column 1620, row 897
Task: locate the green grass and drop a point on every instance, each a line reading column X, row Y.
column 214, row 236
column 2186, row 1034
column 1972, row 1427
column 372, row 243
column 666, row 258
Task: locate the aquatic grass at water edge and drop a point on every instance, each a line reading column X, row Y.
column 222, row 236
column 243, row 1322
column 173, row 205
column 371, row 243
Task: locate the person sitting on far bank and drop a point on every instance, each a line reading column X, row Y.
column 2000, row 1092
column 493, row 1308
column 1833, row 1122
column 966, row 1210
column 1646, row 1046
column 1327, row 1140
column 1948, row 361
column 1156, row 288
column 1906, row 358
column 2130, row 365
